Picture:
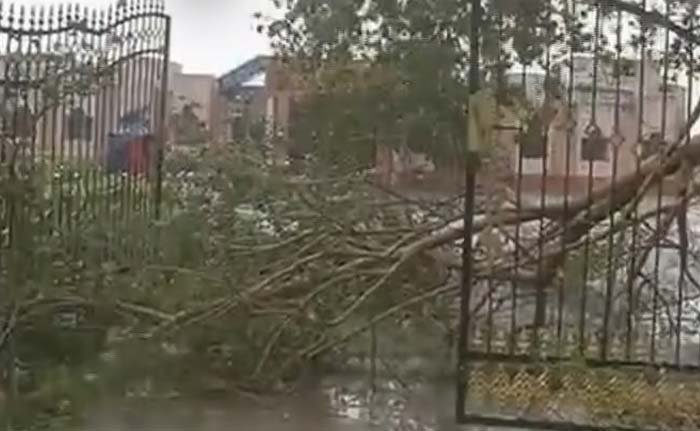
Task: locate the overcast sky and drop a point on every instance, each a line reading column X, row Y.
column 209, row 36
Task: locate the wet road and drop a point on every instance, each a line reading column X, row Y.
column 337, row 404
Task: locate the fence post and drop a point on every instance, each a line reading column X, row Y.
column 165, row 82
column 472, row 163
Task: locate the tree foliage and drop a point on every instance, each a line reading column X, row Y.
column 419, row 48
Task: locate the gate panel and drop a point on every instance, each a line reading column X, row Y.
column 580, row 305
column 83, row 101
column 76, row 83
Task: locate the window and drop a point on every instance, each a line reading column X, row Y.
column 79, row 125
column 594, row 148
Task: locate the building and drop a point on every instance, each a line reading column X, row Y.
column 601, row 137
column 59, row 110
column 73, row 114
column 244, row 99
column 200, row 94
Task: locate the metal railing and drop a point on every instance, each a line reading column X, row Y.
column 580, row 296
column 84, row 95
column 83, row 99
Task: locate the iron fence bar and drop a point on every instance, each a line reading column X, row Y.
column 631, row 275
column 63, row 38
column 23, row 123
column 617, row 135
column 143, row 103
column 109, row 116
column 683, row 224
column 110, row 121
column 68, row 141
column 154, row 67
column 103, row 120
column 77, row 160
column 140, row 101
column 659, row 195
column 492, row 201
column 6, row 85
column 53, row 21
column 136, row 104
column 72, row 26
column 532, row 424
column 570, row 130
column 99, row 158
column 150, row 101
column 66, row 99
column 33, row 68
column 163, row 118
column 85, row 132
column 589, row 362
column 121, row 110
column 130, row 107
column 87, row 149
column 592, row 133
column 52, row 66
column 540, row 314
column 43, row 71
column 468, row 220
column 518, row 233
column 8, row 356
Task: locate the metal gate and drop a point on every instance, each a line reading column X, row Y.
column 73, row 80
column 83, row 101
column 581, row 280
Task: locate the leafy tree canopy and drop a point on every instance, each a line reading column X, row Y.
column 424, row 43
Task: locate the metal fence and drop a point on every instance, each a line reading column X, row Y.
column 84, row 95
column 83, row 99
column 580, row 301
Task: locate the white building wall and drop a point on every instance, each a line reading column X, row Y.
column 631, row 103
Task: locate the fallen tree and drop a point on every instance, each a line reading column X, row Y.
column 333, row 247
column 258, row 271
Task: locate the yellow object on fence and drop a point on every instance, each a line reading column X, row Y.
column 483, row 118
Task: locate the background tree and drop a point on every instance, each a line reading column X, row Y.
column 419, row 49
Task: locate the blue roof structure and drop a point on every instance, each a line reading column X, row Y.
column 234, row 81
